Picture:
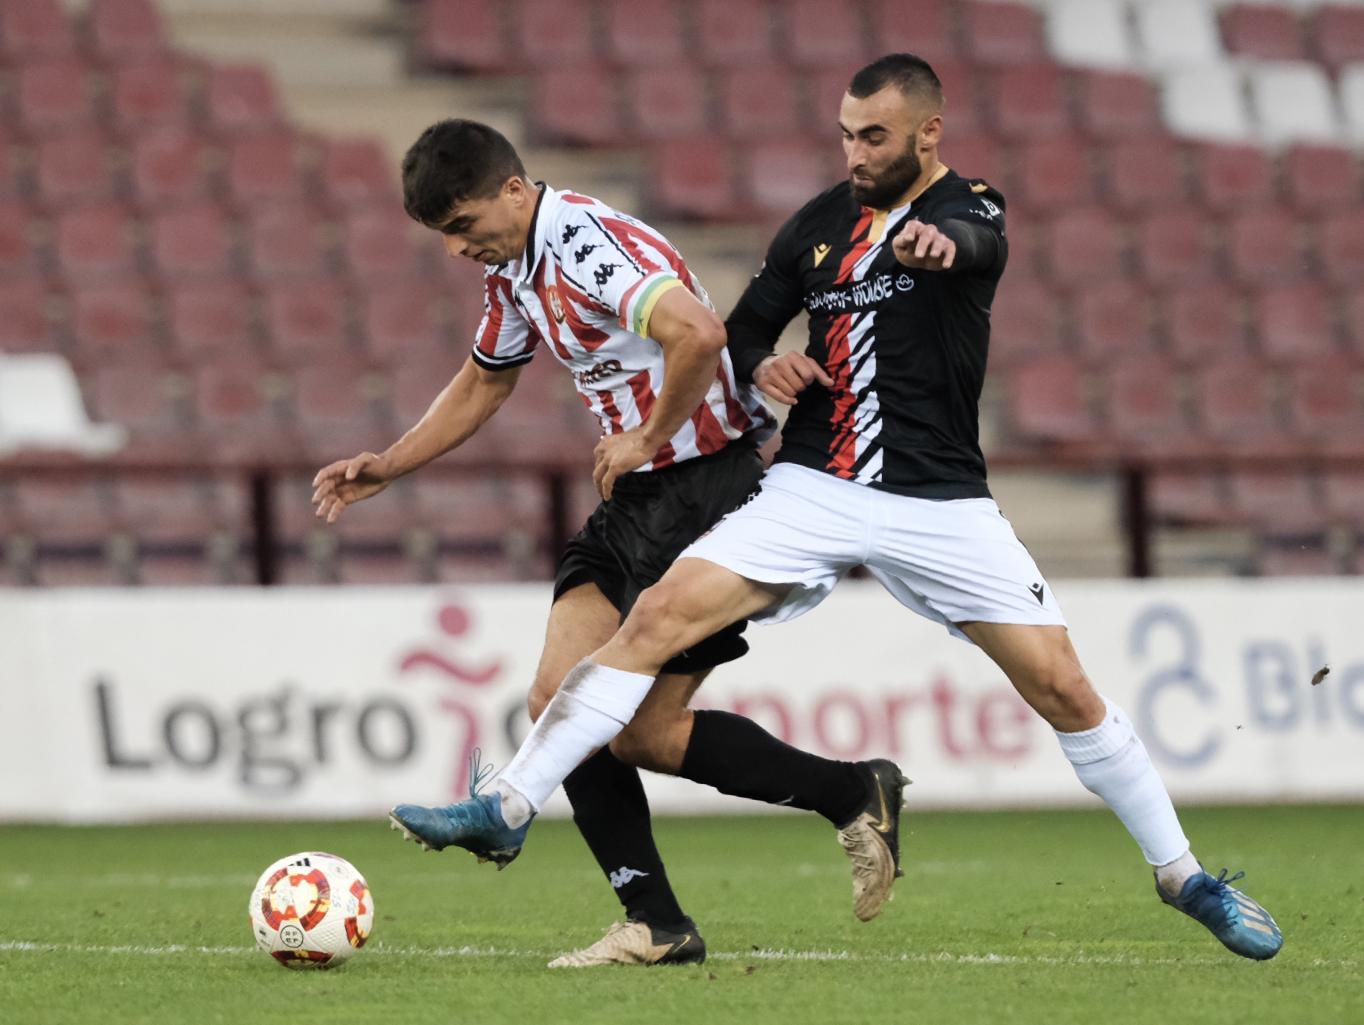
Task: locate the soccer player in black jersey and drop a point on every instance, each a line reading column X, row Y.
column 880, row 466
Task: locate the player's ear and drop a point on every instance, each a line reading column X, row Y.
column 930, row 132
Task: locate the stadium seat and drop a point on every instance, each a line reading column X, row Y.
column 1271, row 32
column 1337, row 32
column 306, row 320
column 209, row 318
column 819, row 34
column 1265, row 245
column 33, row 28
column 54, row 94
column 1052, row 174
column 462, row 35
column 1145, row 174
column 1324, row 405
column 1143, row 407
column 195, row 240
column 94, row 241
column 1090, row 33
column 1343, row 499
column 149, row 94
column 731, row 34
column 1341, row 246
column 334, row 401
column 1234, row 403
column 401, row 318
column 1115, row 104
column 287, row 241
column 76, row 509
column 1176, row 245
column 1084, row 245
column 1112, row 320
column 1047, row 403
column 914, row 26
column 978, row 156
column 241, row 98
column 1189, row 498
column 147, row 401
column 18, row 246
column 167, row 509
column 758, row 101
column 1294, row 322
column 1003, row 33
column 666, row 101
column 1025, row 320
column 1277, row 501
column 1206, row 101
column 1350, row 89
column 1029, row 102
column 643, row 33
column 576, row 106
column 554, row 32
column 265, row 167
column 782, row 176
column 1203, row 322
column 169, row 166
column 235, row 411
column 694, row 178
column 27, row 325
column 1228, row 177
column 1293, row 102
column 1177, row 33
column 382, row 243
column 356, row 172
column 73, row 167
column 1321, row 178
column 113, row 322
column 125, row 30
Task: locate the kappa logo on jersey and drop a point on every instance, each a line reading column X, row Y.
column 622, row 876
column 580, row 255
column 603, row 273
column 570, row 231
column 598, row 373
column 821, row 251
column 556, row 305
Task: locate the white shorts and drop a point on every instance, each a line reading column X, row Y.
column 953, row 561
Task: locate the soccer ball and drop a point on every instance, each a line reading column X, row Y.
column 311, row 910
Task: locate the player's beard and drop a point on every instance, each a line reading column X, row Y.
column 890, row 184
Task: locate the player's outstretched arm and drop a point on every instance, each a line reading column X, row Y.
column 461, row 408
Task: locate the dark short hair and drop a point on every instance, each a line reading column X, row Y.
column 455, row 160
column 912, row 75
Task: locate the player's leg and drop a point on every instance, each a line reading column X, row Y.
column 1098, row 739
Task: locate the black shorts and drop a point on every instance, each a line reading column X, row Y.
column 630, row 541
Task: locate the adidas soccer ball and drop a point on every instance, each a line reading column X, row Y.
column 311, row 910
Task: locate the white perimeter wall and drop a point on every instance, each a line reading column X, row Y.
column 118, row 705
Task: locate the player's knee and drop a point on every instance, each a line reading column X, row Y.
column 539, row 697
column 1064, row 695
column 638, row 746
column 654, row 622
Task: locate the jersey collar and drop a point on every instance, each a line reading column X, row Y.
column 540, row 222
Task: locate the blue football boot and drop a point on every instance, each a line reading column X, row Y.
column 1243, row 926
column 476, row 824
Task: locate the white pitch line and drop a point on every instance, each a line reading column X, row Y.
column 761, row 954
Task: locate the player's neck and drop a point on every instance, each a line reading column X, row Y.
column 932, row 170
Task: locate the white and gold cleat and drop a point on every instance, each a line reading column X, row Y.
column 637, row 943
column 872, row 840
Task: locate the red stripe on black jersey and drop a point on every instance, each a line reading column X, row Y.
column 643, row 391
column 843, row 447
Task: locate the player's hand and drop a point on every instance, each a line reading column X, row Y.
column 617, row 454
column 784, row 377
column 924, row 247
column 346, row 482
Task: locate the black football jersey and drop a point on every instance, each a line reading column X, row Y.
column 906, row 348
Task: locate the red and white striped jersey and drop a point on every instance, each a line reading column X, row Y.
column 587, row 284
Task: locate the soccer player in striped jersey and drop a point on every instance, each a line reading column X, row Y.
column 616, row 304
column 880, row 466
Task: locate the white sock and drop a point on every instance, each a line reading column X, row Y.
column 594, row 703
column 1112, row 762
column 1173, row 876
column 516, row 810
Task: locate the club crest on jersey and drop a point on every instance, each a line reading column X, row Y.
column 556, row 305
column 821, row 251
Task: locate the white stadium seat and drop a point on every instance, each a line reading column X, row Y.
column 41, row 408
column 1293, row 102
column 1178, row 33
column 1207, row 103
column 1090, row 33
column 1352, row 100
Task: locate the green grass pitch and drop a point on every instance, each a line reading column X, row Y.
column 1022, row 917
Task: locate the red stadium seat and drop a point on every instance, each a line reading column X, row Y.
column 553, row 32
column 192, row 241
column 464, row 35
column 666, row 102
column 1052, row 175
column 1029, row 102
column 333, row 401
column 233, row 405
column 1321, row 178
column 782, row 176
column 381, row 243
column 1265, row 245
column 1338, row 34
column 820, row 34
column 27, row 325
column 1189, row 498
column 75, row 167
column 241, row 98
column 18, row 249
column 1144, row 410
column 1113, row 320
column 125, row 30
column 1234, row 401
column 1175, row 246
column 287, row 241
column 576, row 105
column 1324, row 405
column 148, row 400
column 1203, row 322
column 113, row 323
column 1145, row 174
column 169, row 166
column 1279, row 501
column 1085, row 245
column 207, row 319
column 307, row 320
column 694, row 178
column 149, row 94
column 1229, row 178
column 266, row 167
column 1294, row 322
column 977, row 156
column 1116, row 105
column 400, row 318
column 734, row 33
column 1262, row 30
column 94, row 241
column 643, row 33
column 1342, row 246
column 758, row 100
column 357, row 172
column 914, row 26
column 1025, row 321
column 1004, row 33
column 1047, row 402
column 32, row 28
column 54, row 94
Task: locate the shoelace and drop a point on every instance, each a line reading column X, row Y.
column 1219, row 887
column 479, row 773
